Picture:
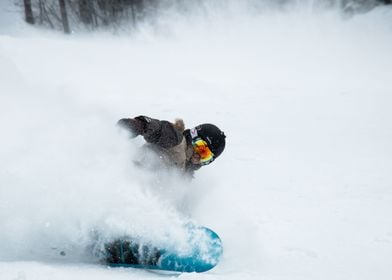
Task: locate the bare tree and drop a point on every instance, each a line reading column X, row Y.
column 28, row 12
column 64, row 17
column 61, row 14
column 85, row 11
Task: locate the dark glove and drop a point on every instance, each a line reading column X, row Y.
column 135, row 126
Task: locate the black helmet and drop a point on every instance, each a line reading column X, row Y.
column 210, row 133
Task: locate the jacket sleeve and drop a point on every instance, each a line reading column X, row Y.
column 161, row 133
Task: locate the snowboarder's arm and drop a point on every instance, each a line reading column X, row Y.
column 135, row 127
column 161, row 133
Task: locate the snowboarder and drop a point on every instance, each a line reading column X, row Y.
column 185, row 149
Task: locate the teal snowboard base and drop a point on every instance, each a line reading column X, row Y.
column 204, row 253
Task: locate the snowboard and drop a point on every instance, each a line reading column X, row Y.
column 203, row 253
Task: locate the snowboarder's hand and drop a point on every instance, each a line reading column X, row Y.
column 135, row 126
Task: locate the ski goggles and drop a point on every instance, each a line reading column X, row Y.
column 201, row 148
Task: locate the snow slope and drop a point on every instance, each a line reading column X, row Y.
column 303, row 190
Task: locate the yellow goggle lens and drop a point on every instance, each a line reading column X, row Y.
column 201, row 148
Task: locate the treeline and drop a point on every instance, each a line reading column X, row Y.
column 92, row 14
column 89, row 13
column 360, row 6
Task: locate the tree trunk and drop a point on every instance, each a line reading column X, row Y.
column 28, row 12
column 133, row 12
column 64, row 17
column 85, row 12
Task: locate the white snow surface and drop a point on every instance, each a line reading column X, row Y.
column 302, row 191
